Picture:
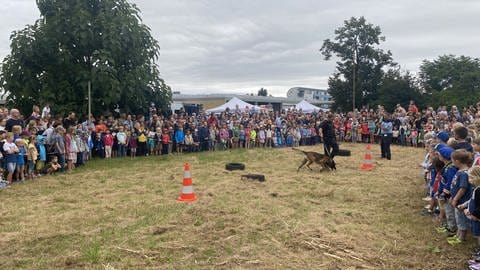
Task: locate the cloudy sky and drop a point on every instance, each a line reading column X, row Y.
column 212, row 46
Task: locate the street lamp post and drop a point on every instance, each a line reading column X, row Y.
column 89, row 103
column 354, row 81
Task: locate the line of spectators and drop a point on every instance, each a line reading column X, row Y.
column 73, row 142
column 452, row 177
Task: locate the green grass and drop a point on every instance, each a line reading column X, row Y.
column 123, row 214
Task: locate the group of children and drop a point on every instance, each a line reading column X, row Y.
column 452, row 174
column 24, row 157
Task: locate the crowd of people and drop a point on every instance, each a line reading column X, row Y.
column 452, row 177
column 40, row 142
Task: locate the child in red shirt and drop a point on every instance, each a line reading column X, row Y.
column 165, row 141
column 108, row 142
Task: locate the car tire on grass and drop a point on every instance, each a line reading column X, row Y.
column 344, row 153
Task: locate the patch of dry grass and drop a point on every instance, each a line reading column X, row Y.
column 122, row 214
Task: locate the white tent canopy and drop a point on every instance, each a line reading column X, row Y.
column 306, row 107
column 234, row 104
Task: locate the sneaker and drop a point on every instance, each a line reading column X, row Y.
column 441, row 229
column 427, row 199
column 427, row 206
column 452, row 237
column 454, row 240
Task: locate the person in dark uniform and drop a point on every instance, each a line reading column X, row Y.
column 327, row 133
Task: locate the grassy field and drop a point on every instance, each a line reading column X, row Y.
column 122, row 214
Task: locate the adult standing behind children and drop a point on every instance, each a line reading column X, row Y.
column 14, row 120
column 46, row 110
column 327, row 134
column 69, row 121
column 386, row 127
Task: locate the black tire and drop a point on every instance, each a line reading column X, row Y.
column 344, row 153
column 235, row 166
column 258, row 177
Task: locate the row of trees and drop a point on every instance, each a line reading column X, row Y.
column 369, row 73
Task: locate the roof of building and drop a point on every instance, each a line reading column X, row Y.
column 246, row 98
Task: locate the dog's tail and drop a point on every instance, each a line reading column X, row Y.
column 296, row 149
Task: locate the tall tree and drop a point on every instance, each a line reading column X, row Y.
column 360, row 63
column 262, row 92
column 451, row 80
column 78, row 41
column 398, row 88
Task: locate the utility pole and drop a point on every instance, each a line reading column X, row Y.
column 89, row 103
column 354, row 80
column 353, row 91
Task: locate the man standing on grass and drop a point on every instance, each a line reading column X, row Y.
column 327, row 134
column 386, row 127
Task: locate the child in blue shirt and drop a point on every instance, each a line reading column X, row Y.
column 22, row 152
column 461, row 191
column 448, row 172
column 472, row 210
column 42, row 154
column 179, row 139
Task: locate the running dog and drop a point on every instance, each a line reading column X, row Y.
column 313, row 157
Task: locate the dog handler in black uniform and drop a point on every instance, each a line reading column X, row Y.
column 327, row 133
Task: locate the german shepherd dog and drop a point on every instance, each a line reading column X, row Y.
column 313, row 157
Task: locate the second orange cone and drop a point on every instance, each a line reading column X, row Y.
column 187, row 194
column 368, row 162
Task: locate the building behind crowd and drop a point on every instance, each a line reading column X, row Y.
column 196, row 102
column 318, row 97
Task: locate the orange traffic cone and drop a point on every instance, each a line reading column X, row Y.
column 187, row 189
column 368, row 162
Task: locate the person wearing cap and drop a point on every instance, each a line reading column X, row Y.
column 448, row 173
column 327, row 135
column 443, row 137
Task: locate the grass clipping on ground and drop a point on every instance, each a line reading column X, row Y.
column 123, row 214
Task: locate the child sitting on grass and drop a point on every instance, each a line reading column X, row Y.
column 461, row 191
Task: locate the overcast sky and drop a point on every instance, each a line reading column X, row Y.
column 212, row 46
